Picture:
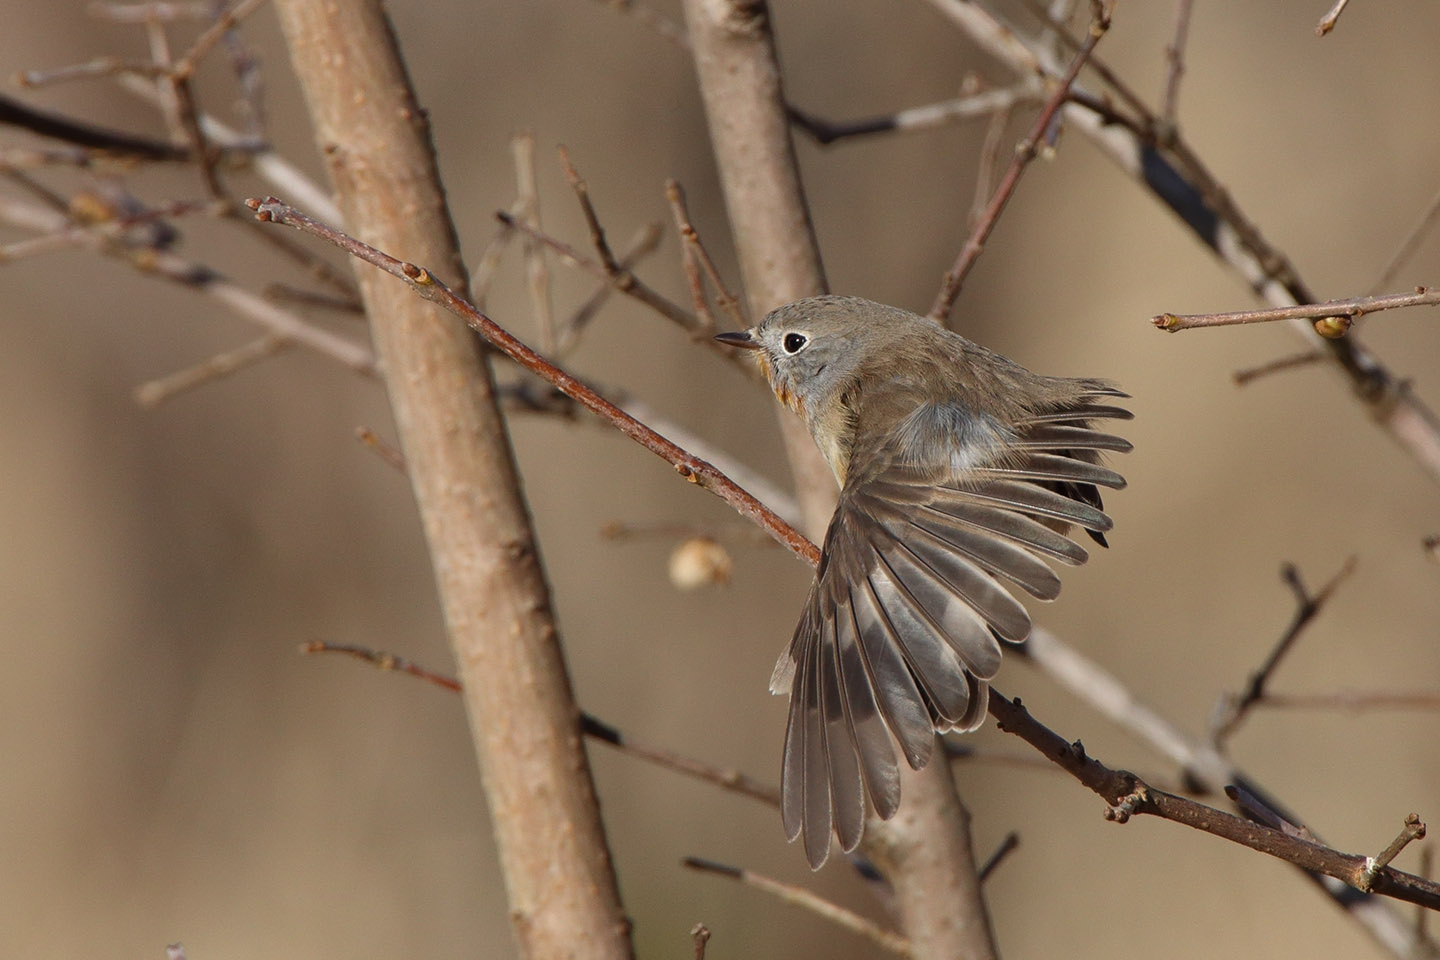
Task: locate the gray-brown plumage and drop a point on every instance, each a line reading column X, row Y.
column 960, row 474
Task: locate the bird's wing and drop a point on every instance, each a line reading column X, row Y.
column 902, row 626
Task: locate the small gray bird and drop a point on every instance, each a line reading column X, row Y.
column 960, row 473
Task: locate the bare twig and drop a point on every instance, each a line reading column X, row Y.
column 590, row 725
column 695, row 259
column 1129, row 796
column 424, row 283
column 1342, row 309
column 160, row 263
column 645, row 242
column 284, row 293
column 15, row 113
column 384, row 661
column 700, row 936
column 955, row 278
column 1354, row 700
column 986, row 103
column 228, row 19
column 1412, row 831
column 1007, row 846
column 1175, row 54
column 592, row 220
column 1205, row 768
column 537, row 271
column 1251, row 374
column 1230, row 711
column 155, row 392
column 1327, row 22
column 99, row 67
column 990, row 149
column 151, row 10
column 1408, row 246
column 624, row 281
column 731, row 780
column 805, row 900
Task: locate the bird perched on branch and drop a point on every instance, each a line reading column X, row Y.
column 960, row 473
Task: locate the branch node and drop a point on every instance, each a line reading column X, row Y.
column 1129, row 804
column 1413, row 830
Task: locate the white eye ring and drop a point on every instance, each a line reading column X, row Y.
column 794, row 342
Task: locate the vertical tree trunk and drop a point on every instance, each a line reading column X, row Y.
column 563, row 896
column 925, row 850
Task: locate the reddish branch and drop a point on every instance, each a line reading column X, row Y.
column 690, row 467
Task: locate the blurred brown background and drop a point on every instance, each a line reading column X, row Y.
column 173, row 770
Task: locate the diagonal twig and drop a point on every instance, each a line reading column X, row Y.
column 955, row 278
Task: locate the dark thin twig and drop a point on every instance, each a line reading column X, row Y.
column 56, row 127
column 1251, row 374
column 1129, row 796
column 1407, row 248
column 955, row 278
column 590, row 725
column 913, row 119
column 800, row 897
column 1232, row 709
column 1007, row 846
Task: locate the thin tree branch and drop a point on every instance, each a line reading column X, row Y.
column 424, row 283
column 805, row 900
column 592, row 726
column 1353, row 307
column 1207, row 770
column 1130, row 796
column 1009, row 845
column 1408, row 246
column 955, row 278
column 1230, row 711
column 155, row 392
column 1175, row 56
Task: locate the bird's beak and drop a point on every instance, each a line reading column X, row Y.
column 739, row 338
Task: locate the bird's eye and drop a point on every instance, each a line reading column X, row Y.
column 795, row 342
